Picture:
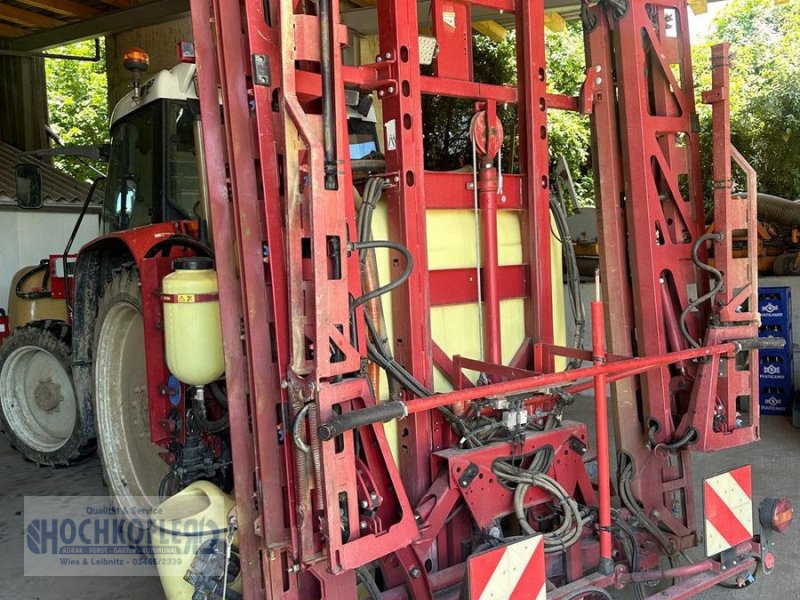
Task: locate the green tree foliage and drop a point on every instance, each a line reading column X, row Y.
column 77, row 102
column 447, row 144
column 764, row 89
column 568, row 131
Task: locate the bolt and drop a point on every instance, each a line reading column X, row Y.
column 656, row 514
column 388, row 55
column 415, row 572
column 259, row 59
column 379, row 59
column 363, row 524
column 380, row 92
column 391, row 89
column 734, row 562
column 285, row 384
column 598, row 68
column 364, row 504
column 293, row 568
column 598, row 80
column 724, row 568
column 374, row 496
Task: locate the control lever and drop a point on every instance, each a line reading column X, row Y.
column 380, row 413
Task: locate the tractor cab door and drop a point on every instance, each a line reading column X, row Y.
column 152, row 172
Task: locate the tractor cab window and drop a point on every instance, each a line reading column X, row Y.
column 132, row 195
column 183, row 185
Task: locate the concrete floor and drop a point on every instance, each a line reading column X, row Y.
column 776, row 471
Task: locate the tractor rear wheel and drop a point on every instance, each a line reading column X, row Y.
column 132, row 466
column 39, row 410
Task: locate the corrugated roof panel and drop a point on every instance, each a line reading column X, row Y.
column 59, row 188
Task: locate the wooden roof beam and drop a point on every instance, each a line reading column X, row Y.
column 26, row 17
column 106, row 23
column 119, row 3
column 11, row 31
column 67, row 8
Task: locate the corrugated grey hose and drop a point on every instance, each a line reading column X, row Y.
column 776, row 210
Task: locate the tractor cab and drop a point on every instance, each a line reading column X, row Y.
column 152, row 168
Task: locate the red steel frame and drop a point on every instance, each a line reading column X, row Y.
column 286, row 277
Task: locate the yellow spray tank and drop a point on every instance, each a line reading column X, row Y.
column 190, row 532
column 192, row 328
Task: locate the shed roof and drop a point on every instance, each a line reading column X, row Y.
column 60, row 190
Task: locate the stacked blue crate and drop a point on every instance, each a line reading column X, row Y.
column 776, row 389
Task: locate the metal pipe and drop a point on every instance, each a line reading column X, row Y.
column 96, row 58
column 487, row 193
column 328, row 116
column 682, row 571
column 206, row 233
column 671, row 325
column 388, row 411
column 540, row 382
column 606, row 566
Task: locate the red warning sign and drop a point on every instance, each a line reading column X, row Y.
column 512, row 572
column 728, row 509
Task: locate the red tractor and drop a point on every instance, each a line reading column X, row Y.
column 76, row 372
column 86, row 363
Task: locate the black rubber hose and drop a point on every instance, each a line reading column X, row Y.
column 181, row 241
column 718, row 285
column 392, row 284
column 366, row 579
column 380, row 413
column 199, row 412
column 44, row 293
column 218, row 393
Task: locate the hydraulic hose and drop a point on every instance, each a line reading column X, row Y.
column 35, row 295
column 181, row 241
column 200, row 415
column 392, row 284
column 573, row 279
column 718, row 284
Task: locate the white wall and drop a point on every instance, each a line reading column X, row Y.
column 26, row 237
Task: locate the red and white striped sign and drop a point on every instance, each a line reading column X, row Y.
column 512, row 572
column 728, row 509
